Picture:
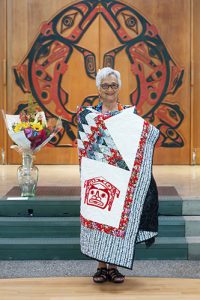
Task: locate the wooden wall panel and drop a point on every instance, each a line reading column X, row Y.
column 108, row 42
column 34, row 13
column 172, row 18
column 3, row 134
column 195, row 147
column 17, row 45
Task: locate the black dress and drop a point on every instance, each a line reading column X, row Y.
column 149, row 217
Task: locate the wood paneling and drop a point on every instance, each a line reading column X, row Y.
column 3, row 79
column 108, row 42
column 76, row 83
column 195, row 88
column 173, row 21
column 176, row 36
column 17, row 45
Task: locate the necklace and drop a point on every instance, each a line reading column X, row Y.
column 119, row 108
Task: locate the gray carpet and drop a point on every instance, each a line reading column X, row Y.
column 60, row 268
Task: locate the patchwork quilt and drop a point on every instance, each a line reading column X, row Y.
column 115, row 153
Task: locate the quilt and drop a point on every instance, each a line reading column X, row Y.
column 115, row 154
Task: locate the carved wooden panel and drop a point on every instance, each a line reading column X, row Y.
column 56, row 48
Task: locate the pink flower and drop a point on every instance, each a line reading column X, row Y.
column 35, row 137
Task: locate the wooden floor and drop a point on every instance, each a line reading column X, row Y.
column 83, row 288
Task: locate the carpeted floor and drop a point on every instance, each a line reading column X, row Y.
column 55, row 268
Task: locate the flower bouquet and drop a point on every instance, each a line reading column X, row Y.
column 30, row 131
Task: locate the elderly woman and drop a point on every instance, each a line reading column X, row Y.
column 98, row 226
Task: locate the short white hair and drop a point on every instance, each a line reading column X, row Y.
column 104, row 72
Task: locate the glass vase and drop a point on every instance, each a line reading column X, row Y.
column 27, row 175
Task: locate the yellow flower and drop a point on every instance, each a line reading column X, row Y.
column 36, row 126
column 20, row 126
column 25, row 125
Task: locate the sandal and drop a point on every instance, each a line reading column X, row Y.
column 101, row 275
column 115, row 276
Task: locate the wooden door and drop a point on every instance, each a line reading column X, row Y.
column 28, row 22
column 152, row 54
column 148, row 50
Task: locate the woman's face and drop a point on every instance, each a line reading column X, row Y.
column 109, row 89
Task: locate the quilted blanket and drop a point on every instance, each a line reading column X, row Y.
column 115, row 153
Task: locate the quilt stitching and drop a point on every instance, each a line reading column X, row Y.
column 98, row 142
column 115, row 159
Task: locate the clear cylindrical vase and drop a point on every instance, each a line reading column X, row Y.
column 27, row 175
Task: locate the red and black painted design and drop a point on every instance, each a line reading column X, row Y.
column 100, row 193
column 156, row 73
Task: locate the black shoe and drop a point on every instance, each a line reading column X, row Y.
column 101, row 275
column 115, row 276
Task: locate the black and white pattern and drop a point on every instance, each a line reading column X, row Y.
column 116, row 250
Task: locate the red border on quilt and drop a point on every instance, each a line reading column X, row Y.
column 121, row 230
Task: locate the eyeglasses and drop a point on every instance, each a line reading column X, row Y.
column 105, row 86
